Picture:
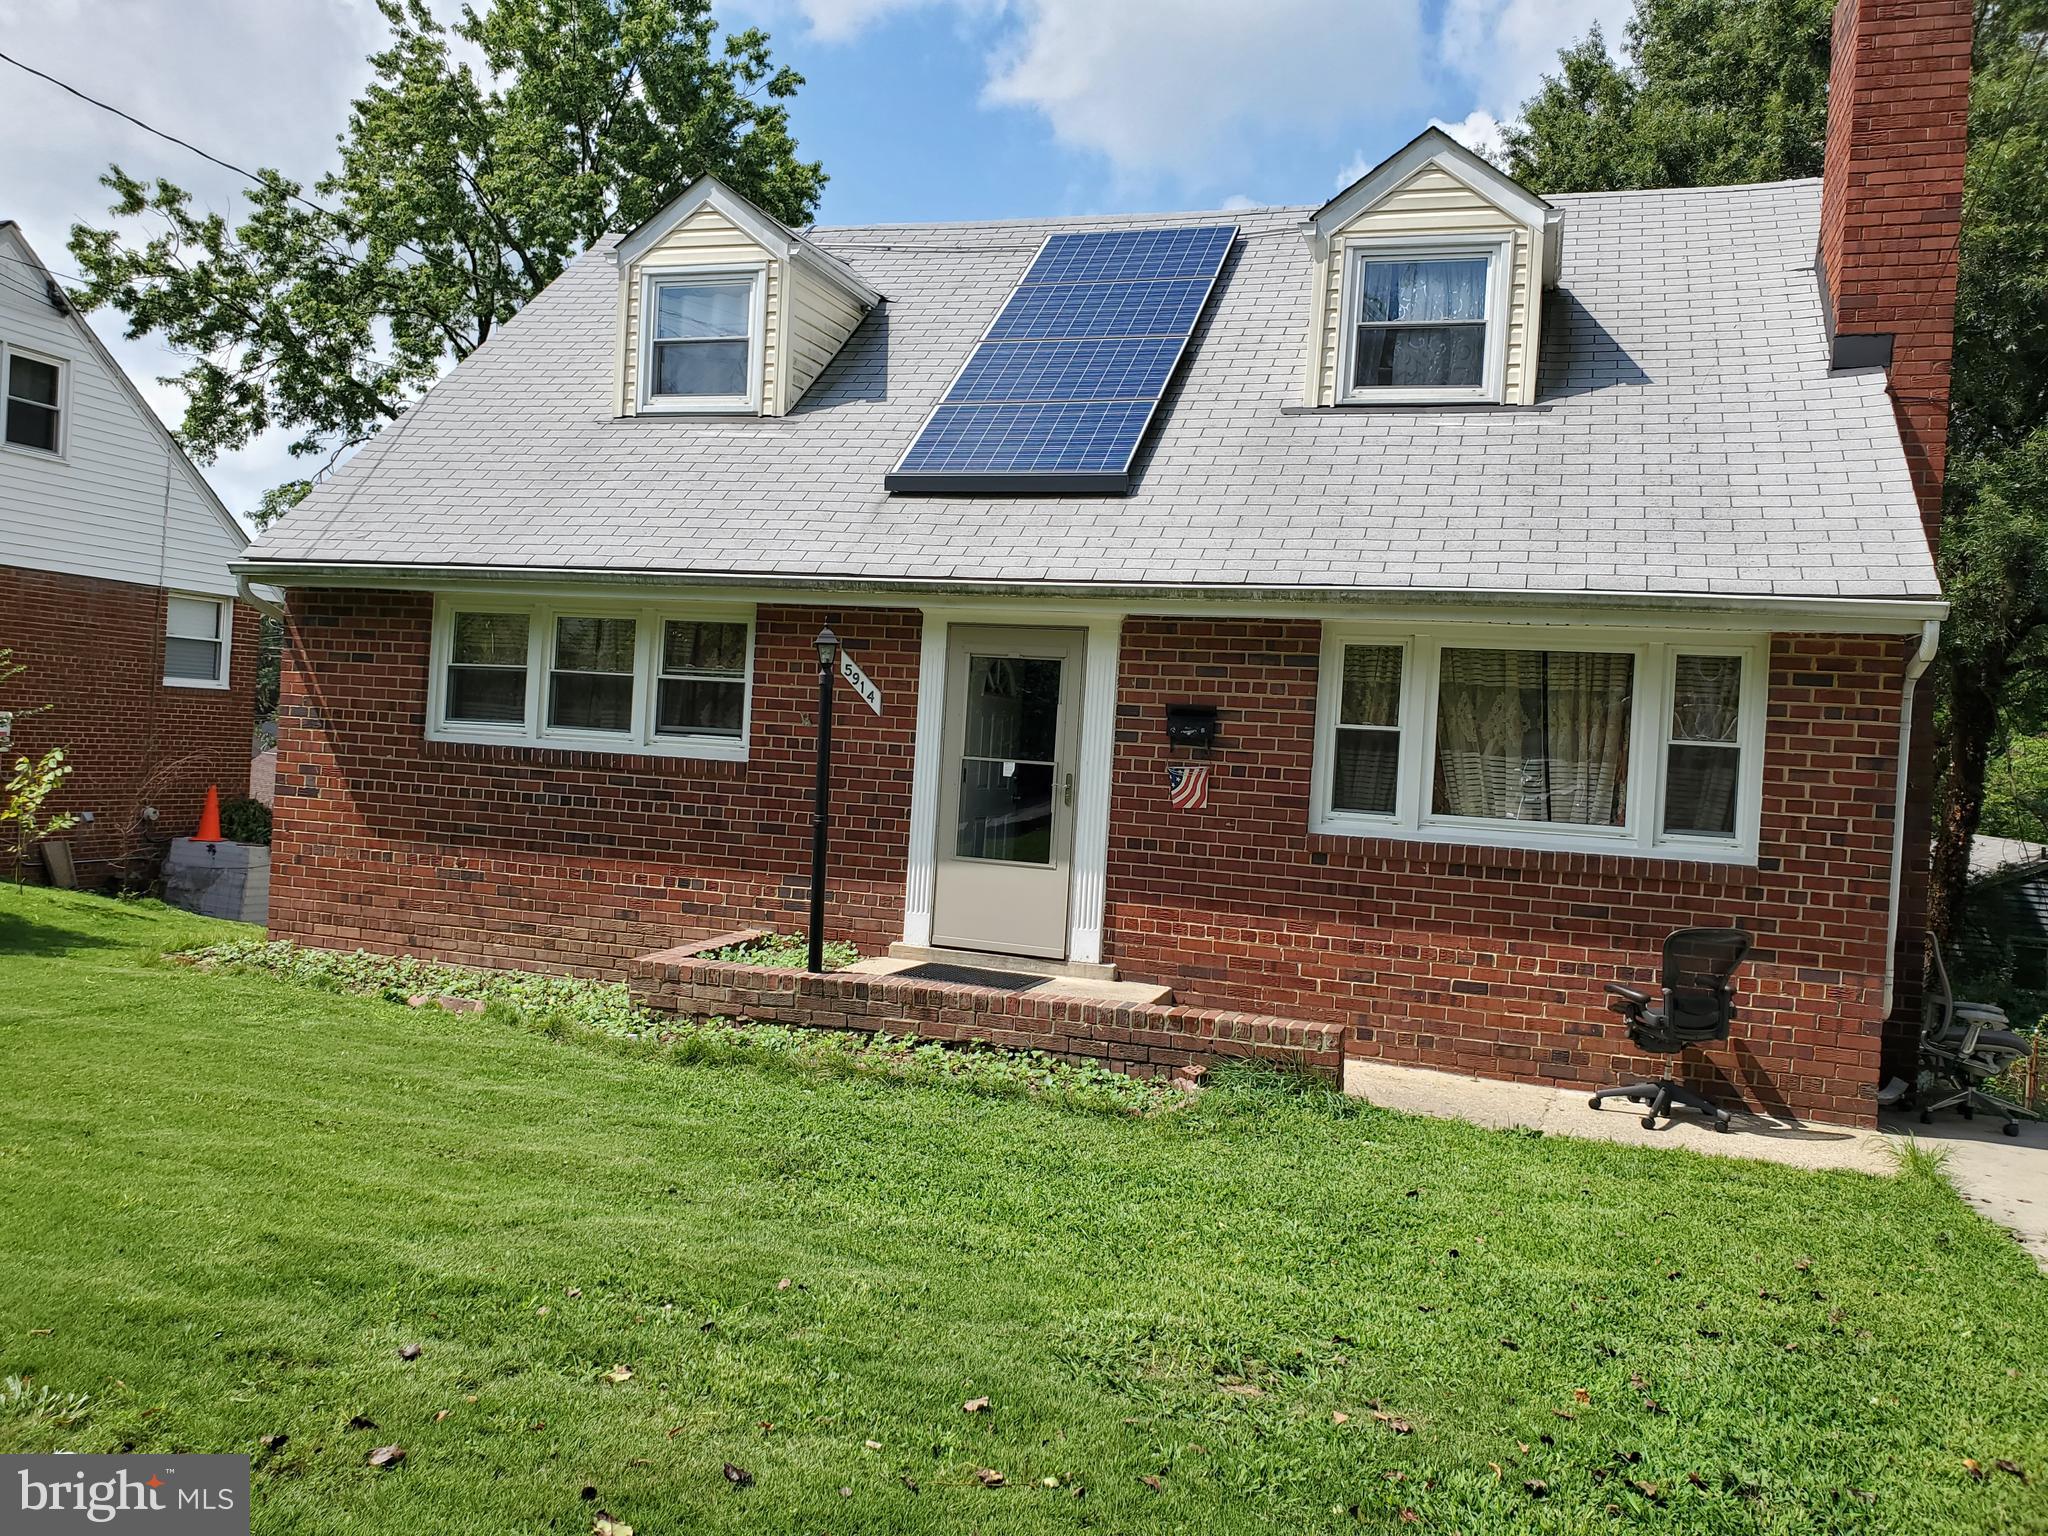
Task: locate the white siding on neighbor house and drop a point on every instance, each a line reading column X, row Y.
column 122, row 503
column 821, row 316
column 1429, row 205
column 707, row 238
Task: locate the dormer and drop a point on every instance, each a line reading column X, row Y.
column 723, row 310
column 1428, row 279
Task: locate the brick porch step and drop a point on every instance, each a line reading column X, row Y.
column 1144, row 1037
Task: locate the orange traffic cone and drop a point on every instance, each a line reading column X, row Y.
column 209, row 817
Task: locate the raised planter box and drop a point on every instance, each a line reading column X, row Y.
column 230, row 880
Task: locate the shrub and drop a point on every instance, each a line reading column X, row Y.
column 245, row 821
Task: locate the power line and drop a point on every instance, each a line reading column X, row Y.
column 151, row 128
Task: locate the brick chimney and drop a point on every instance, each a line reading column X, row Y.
column 1892, row 207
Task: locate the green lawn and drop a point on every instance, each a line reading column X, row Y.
column 226, row 1201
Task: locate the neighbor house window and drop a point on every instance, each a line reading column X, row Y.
column 1421, row 326
column 602, row 676
column 702, row 344
column 487, row 668
column 1465, row 736
column 196, row 633
column 35, row 402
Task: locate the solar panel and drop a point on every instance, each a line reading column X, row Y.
column 1059, row 391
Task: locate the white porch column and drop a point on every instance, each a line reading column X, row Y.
column 1091, row 795
column 924, row 782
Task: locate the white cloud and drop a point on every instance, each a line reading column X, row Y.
column 254, row 81
column 837, row 21
column 1480, row 132
column 1504, row 48
column 1237, row 201
column 1171, row 86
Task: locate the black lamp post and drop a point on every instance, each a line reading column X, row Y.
column 821, row 812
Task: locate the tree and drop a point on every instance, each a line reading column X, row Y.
column 457, row 200
column 1711, row 92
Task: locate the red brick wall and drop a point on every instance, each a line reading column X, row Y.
column 578, row 859
column 1892, row 203
column 94, row 650
column 1491, row 961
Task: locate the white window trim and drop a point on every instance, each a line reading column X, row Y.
column 226, row 608
column 1499, row 250
column 641, row 740
column 8, row 352
column 652, row 278
column 1655, row 656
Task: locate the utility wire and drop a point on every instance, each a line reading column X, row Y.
column 169, row 138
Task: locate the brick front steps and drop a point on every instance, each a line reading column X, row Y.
column 1144, row 1040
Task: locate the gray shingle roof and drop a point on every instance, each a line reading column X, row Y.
column 1689, row 439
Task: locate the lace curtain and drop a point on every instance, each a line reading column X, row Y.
column 1533, row 735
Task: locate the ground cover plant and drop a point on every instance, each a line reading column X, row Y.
column 568, row 1277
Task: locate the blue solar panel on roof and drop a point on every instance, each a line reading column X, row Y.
column 1060, row 436
column 1047, row 311
column 1105, row 368
column 1126, row 254
column 1063, row 384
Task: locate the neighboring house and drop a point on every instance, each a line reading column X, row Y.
column 2003, row 926
column 1557, row 573
column 115, row 588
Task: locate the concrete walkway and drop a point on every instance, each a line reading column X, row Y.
column 2004, row 1177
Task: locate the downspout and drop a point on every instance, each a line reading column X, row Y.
column 1930, row 637
column 249, row 595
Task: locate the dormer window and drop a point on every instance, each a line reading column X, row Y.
column 1422, row 325
column 702, row 347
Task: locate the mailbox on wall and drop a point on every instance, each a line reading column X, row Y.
column 1191, row 726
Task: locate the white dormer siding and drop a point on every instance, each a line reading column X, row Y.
column 1433, row 200
column 117, row 500
column 804, row 305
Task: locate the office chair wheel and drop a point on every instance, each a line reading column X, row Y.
column 1927, row 1117
column 1649, row 1122
column 2012, row 1127
column 1968, row 1112
column 1721, row 1124
column 1594, row 1102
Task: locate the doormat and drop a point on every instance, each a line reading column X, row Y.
column 969, row 976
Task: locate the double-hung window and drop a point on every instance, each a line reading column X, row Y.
column 701, row 343
column 1424, row 324
column 196, row 635
column 597, row 676
column 1540, row 739
column 34, row 406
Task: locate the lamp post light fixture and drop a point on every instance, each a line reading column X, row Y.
column 821, row 804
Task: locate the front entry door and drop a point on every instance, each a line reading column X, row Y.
column 1006, row 806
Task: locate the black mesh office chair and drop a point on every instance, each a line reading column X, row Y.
column 1964, row 1047
column 1696, row 1008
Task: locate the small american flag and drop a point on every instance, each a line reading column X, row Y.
column 1187, row 789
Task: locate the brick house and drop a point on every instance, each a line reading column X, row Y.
column 115, row 588
column 1530, row 577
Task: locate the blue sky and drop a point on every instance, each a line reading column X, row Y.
column 920, row 109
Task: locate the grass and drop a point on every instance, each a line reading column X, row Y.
column 227, row 1200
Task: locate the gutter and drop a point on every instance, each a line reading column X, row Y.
column 1902, row 615
column 1930, row 637
column 248, row 594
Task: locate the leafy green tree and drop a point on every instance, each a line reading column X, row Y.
column 457, row 199
column 1711, row 92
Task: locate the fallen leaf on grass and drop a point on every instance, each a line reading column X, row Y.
column 989, row 1477
column 573, row 1292
column 1649, row 1491
column 1340, row 1418
column 1697, row 1481
column 609, row 1525
column 1536, row 1488
column 873, row 1445
column 1149, row 1481
column 908, row 1483
column 845, row 1493
column 1409, row 1517
column 41, row 1333
column 273, row 1442
column 408, row 1351
column 1581, row 1395
column 1564, row 1413
column 361, row 1421
column 2006, row 1464
column 1048, row 1482
column 783, row 1284
column 739, row 1477
column 1398, row 1425
column 617, row 1374
column 1974, row 1468
column 441, row 1414
column 974, row 1405
column 387, row 1456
